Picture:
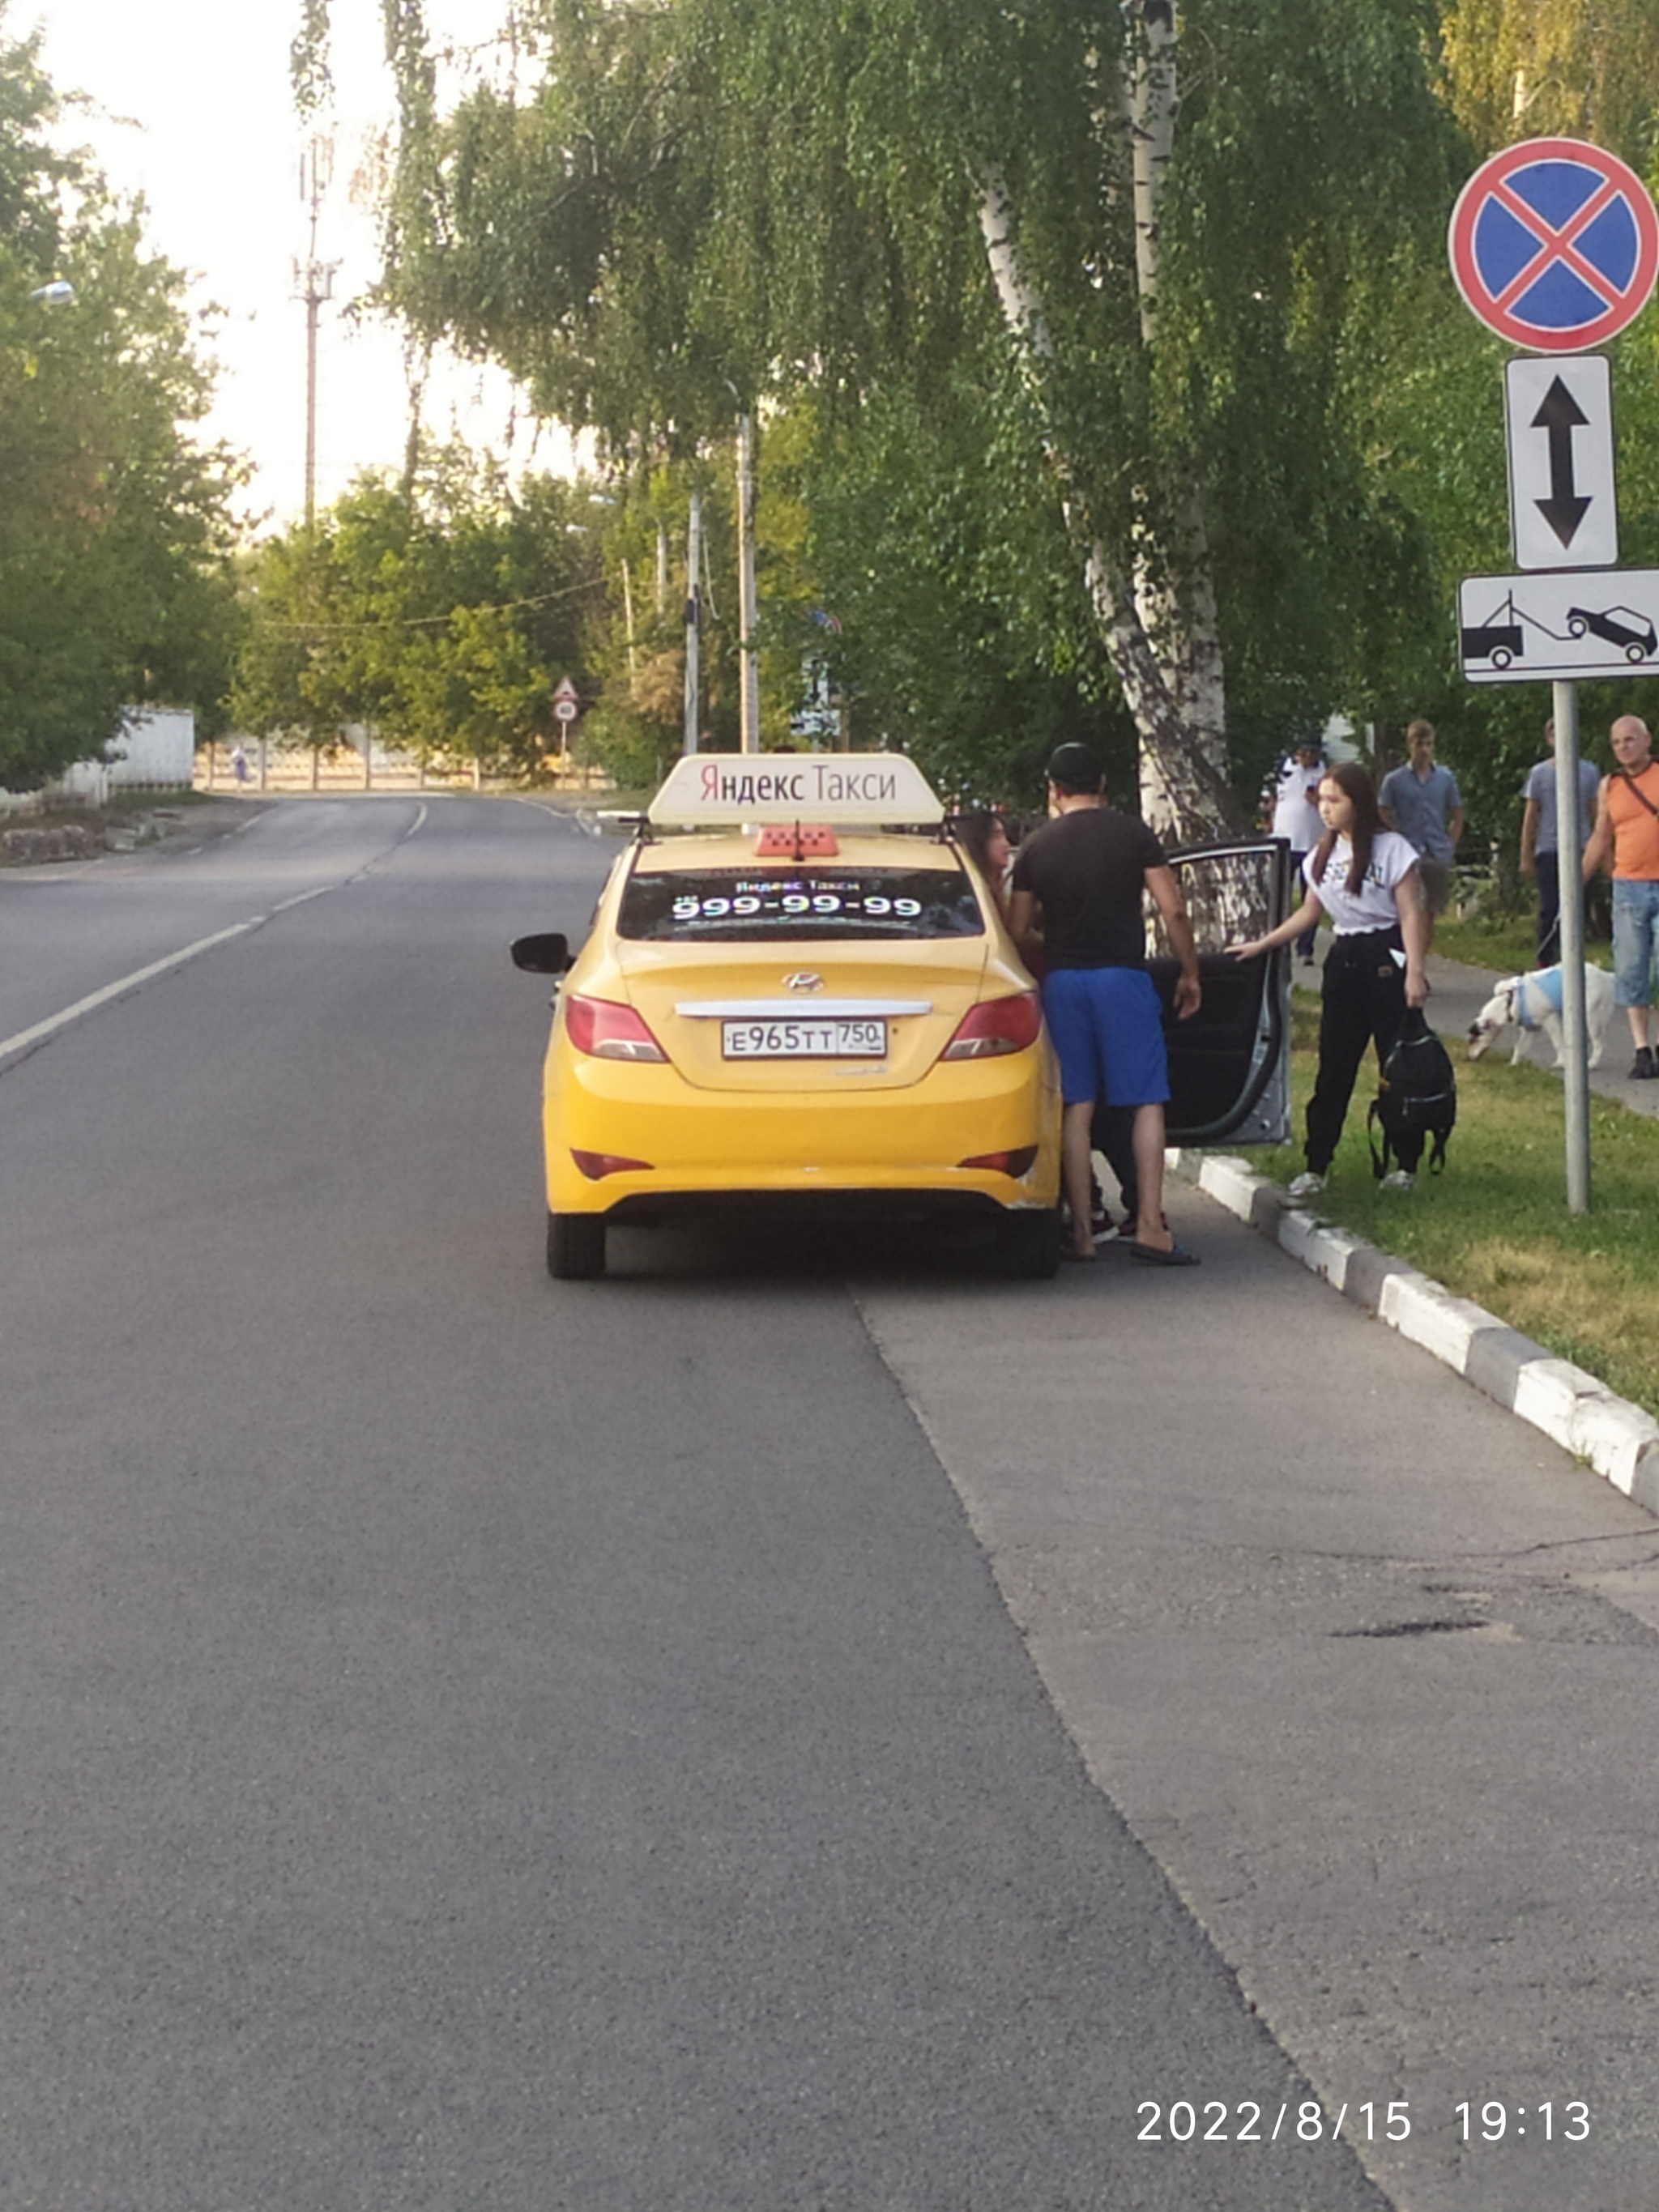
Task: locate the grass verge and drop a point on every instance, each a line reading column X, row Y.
column 1494, row 1226
column 1506, row 942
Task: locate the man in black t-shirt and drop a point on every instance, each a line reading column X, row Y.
column 1088, row 871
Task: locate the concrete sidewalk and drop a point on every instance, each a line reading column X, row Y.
column 1456, row 995
column 1572, row 1407
column 1366, row 1662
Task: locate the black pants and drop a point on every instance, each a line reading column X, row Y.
column 1364, row 1003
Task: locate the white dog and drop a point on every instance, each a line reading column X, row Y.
column 1532, row 1005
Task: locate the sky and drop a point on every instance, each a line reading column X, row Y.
column 189, row 105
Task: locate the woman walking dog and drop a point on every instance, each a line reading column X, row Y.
column 1364, row 879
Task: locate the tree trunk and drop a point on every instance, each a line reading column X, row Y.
column 1151, row 100
column 1177, row 606
column 1194, row 799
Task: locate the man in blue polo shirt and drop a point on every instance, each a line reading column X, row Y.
column 1540, row 856
column 1422, row 801
column 1089, row 870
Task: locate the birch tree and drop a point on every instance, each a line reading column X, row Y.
column 1176, row 230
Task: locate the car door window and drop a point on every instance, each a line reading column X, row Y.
column 1230, row 1064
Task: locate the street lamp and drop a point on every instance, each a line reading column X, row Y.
column 58, row 294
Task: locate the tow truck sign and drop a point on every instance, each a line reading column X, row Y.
column 1556, row 626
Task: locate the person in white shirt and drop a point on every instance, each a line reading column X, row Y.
column 1295, row 816
column 1363, row 880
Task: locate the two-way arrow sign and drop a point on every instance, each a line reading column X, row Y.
column 1558, row 413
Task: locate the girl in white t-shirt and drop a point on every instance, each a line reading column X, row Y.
column 1363, row 880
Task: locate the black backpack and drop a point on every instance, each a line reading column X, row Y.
column 1417, row 1094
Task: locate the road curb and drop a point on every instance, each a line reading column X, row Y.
column 1570, row 1407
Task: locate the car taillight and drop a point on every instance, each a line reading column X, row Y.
column 996, row 1025
column 606, row 1030
column 1017, row 1164
column 597, row 1165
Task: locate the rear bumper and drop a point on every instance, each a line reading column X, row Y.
column 880, row 1153
column 920, row 1207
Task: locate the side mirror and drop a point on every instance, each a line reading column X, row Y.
column 546, row 955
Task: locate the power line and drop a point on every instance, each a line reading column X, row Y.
column 429, row 622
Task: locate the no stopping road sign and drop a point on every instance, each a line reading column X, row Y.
column 1555, row 245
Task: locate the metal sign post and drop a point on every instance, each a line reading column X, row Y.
column 1555, row 245
column 1575, row 1045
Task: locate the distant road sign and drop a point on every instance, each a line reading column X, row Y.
column 1558, row 414
column 1555, row 245
column 1544, row 628
column 567, row 710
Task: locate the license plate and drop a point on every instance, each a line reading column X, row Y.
column 826, row 1038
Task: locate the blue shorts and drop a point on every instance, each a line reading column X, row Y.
column 1635, row 924
column 1108, row 1028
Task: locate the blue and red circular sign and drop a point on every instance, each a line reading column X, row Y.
column 1555, row 245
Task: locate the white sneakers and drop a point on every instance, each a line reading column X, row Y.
column 1308, row 1185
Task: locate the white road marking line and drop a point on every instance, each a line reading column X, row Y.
column 53, row 1022
column 41, row 1030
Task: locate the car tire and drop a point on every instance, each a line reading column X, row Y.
column 1028, row 1245
column 575, row 1247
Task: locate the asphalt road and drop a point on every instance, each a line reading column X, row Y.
column 772, row 1729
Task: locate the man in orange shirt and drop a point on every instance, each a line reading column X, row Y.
column 1627, row 828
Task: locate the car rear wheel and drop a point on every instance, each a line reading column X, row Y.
column 575, row 1247
column 1028, row 1244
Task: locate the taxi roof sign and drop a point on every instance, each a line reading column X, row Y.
column 718, row 790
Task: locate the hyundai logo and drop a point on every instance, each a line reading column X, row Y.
column 804, row 981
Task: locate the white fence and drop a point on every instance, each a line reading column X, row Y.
column 155, row 751
column 253, row 765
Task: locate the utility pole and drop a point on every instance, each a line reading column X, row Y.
column 313, row 282
column 748, row 664
column 693, row 617
column 628, row 616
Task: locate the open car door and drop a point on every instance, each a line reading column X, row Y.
column 1229, row 1065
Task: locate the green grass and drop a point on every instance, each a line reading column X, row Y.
column 162, row 802
column 1494, row 1226
column 1507, row 942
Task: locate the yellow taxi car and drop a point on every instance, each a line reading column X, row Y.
column 797, row 994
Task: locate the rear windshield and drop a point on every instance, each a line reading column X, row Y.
column 738, row 905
